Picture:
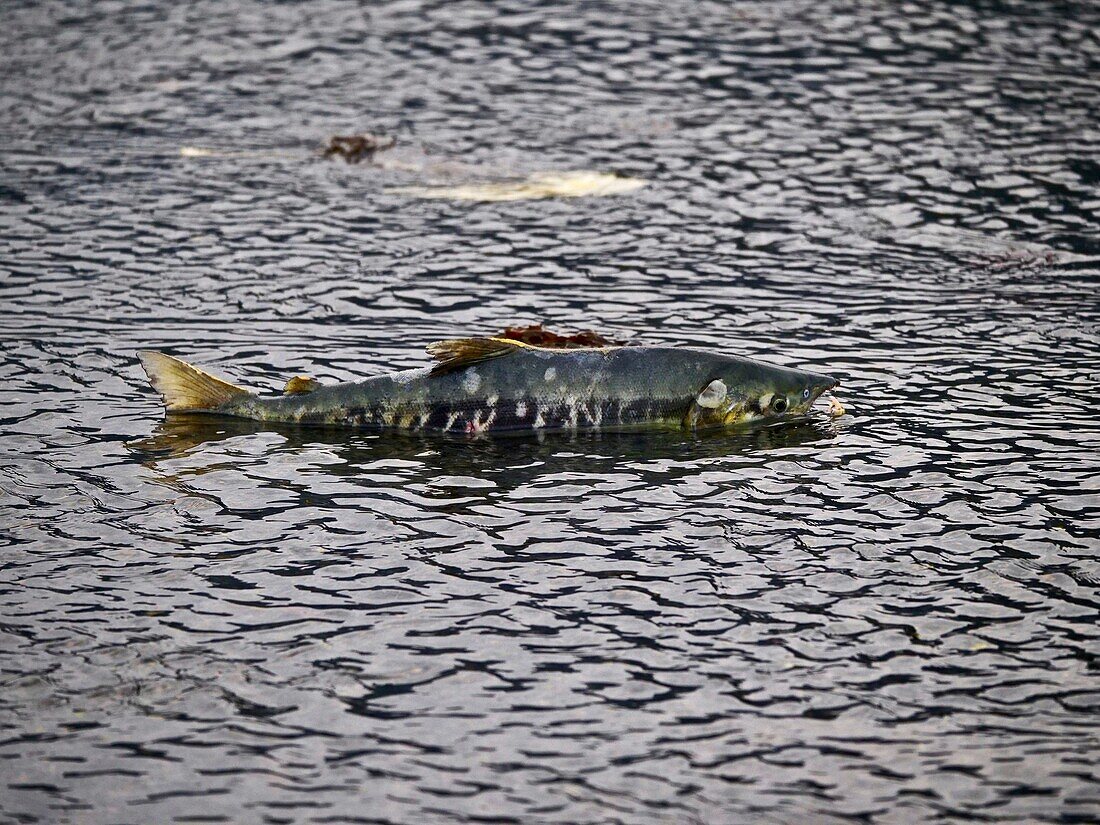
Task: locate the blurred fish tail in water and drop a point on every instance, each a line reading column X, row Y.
column 571, row 184
column 500, row 384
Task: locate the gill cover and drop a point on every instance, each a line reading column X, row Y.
column 712, row 395
column 708, row 408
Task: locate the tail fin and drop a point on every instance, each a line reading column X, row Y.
column 185, row 387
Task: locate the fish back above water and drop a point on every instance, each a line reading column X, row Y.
column 497, row 384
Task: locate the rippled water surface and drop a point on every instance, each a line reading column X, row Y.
column 890, row 617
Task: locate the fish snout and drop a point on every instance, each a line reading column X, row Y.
column 821, row 384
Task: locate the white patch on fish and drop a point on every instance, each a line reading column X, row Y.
column 471, row 381
column 521, row 409
column 593, row 413
column 539, row 422
column 450, row 421
column 550, row 374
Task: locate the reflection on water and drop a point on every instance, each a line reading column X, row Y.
column 180, row 433
column 458, row 472
column 889, row 617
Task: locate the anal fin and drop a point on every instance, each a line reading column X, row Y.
column 301, row 384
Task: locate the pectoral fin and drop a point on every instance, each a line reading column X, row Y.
column 701, row 411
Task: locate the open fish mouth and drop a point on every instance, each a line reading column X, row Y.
column 824, row 389
column 816, row 390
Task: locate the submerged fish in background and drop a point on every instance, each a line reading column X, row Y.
column 499, row 385
column 574, row 184
column 461, row 181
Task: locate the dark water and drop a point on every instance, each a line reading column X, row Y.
column 888, row 618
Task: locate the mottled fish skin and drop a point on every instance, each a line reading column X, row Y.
column 533, row 389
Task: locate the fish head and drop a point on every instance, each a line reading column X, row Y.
column 761, row 393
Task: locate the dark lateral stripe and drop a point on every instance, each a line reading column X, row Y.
column 476, row 415
column 373, row 416
column 530, row 414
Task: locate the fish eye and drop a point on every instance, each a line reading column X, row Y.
column 806, row 393
column 779, row 403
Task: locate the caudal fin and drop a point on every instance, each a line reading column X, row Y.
column 185, row 387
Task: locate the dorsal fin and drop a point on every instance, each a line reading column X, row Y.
column 301, row 384
column 459, row 353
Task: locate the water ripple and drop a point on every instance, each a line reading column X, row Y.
column 886, row 617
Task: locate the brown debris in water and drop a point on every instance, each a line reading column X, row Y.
column 354, row 148
column 536, row 336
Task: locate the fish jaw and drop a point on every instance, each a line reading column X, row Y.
column 772, row 396
column 814, row 389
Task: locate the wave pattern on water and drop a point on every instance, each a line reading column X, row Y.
column 891, row 617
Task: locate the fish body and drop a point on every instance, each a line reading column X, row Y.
column 499, row 385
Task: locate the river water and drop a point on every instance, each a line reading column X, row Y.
column 889, row 617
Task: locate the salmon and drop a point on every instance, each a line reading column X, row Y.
column 490, row 385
